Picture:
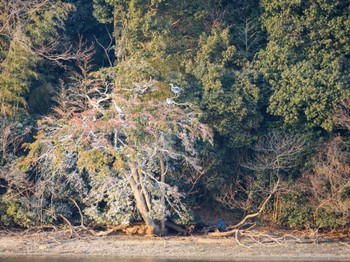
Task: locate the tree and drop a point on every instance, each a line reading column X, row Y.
column 122, row 139
column 274, row 154
column 30, row 37
column 153, row 39
column 189, row 44
column 229, row 98
column 306, row 61
column 329, row 182
column 243, row 19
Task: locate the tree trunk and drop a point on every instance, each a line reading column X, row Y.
column 162, row 200
column 141, row 204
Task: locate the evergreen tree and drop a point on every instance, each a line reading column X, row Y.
column 306, row 61
column 29, row 32
column 229, row 98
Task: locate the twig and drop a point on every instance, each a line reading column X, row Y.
column 72, row 230
column 80, row 213
column 345, row 244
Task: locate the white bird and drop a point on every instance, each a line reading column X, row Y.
column 117, row 108
column 169, row 101
column 175, row 89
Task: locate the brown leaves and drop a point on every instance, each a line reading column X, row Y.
column 330, row 180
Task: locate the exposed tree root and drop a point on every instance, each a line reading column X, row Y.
column 73, row 232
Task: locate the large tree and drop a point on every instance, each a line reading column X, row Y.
column 97, row 132
column 31, row 41
column 306, row 61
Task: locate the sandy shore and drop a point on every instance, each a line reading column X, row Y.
column 169, row 247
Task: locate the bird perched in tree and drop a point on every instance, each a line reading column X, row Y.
column 169, row 101
column 175, row 89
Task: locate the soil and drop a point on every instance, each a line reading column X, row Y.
column 193, row 247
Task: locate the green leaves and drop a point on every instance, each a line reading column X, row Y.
column 17, row 72
column 229, row 98
column 103, row 11
column 306, row 61
column 25, row 40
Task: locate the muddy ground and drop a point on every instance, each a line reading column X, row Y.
column 194, row 247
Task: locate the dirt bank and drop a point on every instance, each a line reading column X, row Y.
column 50, row 243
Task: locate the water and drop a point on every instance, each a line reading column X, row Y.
column 119, row 259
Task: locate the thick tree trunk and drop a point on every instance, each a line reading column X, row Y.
column 141, row 203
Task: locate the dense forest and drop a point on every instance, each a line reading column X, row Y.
column 118, row 111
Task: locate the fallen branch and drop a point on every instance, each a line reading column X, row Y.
column 109, row 231
column 233, row 229
column 72, row 230
column 38, row 228
column 177, row 228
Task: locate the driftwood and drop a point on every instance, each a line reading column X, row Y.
column 108, row 231
column 175, row 227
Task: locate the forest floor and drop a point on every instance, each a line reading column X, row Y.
column 58, row 243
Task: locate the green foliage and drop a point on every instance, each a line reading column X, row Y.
column 229, row 97
column 103, row 10
column 24, row 212
column 109, row 201
column 28, row 39
column 306, row 61
column 297, row 212
column 184, row 43
column 111, row 125
column 331, row 220
column 243, row 19
column 29, row 202
column 293, row 214
column 46, row 23
column 95, row 161
column 13, row 214
column 17, row 72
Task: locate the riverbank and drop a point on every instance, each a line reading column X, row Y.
column 193, row 247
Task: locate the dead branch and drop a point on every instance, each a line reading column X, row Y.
column 233, row 229
column 342, row 114
column 345, row 244
column 14, row 21
column 40, row 228
column 72, row 230
column 80, row 213
column 329, row 181
column 107, row 49
column 274, row 153
column 178, row 228
column 109, row 231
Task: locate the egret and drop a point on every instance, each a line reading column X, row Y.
column 169, row 101
column 175, row 89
